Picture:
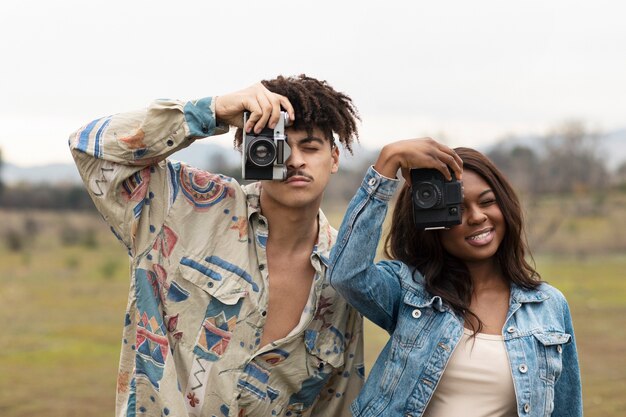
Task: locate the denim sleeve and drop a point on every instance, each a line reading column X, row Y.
column 373, row 289
column 201, row 120
column 568, row 388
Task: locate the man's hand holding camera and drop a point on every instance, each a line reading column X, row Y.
column 263, row 105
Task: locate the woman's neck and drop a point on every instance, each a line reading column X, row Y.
column 487, row 276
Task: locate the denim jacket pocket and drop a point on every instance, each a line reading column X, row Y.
column 414, row 321
column 550, row 353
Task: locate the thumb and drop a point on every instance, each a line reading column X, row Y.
column 406, row 173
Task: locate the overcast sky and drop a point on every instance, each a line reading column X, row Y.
column 467, row 72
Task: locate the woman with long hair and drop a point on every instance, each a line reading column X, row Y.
column 474, row 330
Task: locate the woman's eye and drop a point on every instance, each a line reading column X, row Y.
column 488, row 202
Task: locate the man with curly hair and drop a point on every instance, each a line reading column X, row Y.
column 229, row 311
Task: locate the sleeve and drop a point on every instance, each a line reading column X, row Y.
column 373, row 289
column 568, row 387
column 122, row 160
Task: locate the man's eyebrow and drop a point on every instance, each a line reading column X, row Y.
column 310, row 139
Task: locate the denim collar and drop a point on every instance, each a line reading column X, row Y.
column 417, row 296
column 525, row 295
column 422, row 298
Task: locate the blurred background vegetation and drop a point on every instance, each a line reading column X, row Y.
column 64, row 277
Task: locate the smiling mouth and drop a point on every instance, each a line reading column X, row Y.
column 481, row 236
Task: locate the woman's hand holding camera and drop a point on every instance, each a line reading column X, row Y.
column 263, row 105
column 418, row 153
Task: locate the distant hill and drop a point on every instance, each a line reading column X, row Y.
column 612, row 146
column 210, row 155
column 39, row 174
column 201, row 155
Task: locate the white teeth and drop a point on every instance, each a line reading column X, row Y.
column 480, row 236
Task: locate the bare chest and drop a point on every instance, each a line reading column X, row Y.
column 290, row 282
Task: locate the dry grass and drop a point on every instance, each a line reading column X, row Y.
column 62, row 307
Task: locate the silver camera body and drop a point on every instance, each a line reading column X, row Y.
column 264, row 155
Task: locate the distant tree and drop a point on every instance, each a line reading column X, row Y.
column 1, row 182
column 620, row 175
column 520, row 164
column 75, row 197
column 572, row 162
column 47, row 196
column 217, row 163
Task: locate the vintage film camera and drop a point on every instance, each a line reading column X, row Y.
column 264, row 155
column 436, row 201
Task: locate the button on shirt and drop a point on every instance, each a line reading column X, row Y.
column 199, row 283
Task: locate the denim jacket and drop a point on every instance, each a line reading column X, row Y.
column 538, row 333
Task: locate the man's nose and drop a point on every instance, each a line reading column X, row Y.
column 295, row 160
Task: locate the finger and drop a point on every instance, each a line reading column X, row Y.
column 452, row 162
column 255, row 114
column 286, row 104
column 458, row 170
column 275, row 114
column 443, row 168
column 437, row 160
column 266, row 112
column 459, row 161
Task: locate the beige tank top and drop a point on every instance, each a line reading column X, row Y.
column 477, row 381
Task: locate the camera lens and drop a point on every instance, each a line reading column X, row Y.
column 262, row 152
column 426, row 195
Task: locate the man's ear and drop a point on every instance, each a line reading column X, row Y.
column 334, row 153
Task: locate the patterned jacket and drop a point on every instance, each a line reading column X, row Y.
column 199, row 286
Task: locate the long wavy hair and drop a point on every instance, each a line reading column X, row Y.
column 446, row 275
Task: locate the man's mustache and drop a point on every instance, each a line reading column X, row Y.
column 299, row 173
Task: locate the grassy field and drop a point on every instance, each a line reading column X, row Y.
column 63, row 290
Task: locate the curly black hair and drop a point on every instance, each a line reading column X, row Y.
column 316, row 105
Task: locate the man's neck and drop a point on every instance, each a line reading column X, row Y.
column 291, row 229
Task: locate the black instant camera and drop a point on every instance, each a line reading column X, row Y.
column 264, row 154
column 436, row 201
